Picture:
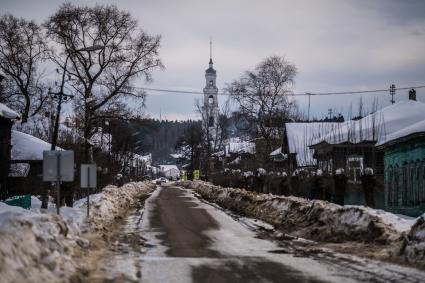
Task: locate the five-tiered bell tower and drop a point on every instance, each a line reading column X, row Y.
column 210, row 110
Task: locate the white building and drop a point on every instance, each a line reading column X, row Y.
column 210, row 110
column 170, row 171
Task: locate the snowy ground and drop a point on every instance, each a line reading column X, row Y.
column 386, row 235
column 39, row 245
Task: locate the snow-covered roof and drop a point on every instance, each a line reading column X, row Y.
column 418, row 127
column 8, row 113
column 177, row 155
column 27, row 147
column 144, row 158
column 236, row 145
column 302, row 135
column 167, row 167
column 276, row 151
column 378, row 126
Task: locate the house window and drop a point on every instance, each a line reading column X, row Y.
column 211, row 122
column 355, row 167
column 211, row 83
column 211, row 100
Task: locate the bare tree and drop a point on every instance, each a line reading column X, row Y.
column 22, row 48
column 262, row 95
column 190, row 144
column 213, row 137
column 103, row 78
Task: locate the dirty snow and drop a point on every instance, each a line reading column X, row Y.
column 321, row 221
column 414, row 243
column 38, row 245
column 316, row 220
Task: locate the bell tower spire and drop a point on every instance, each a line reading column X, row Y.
column 211, row 62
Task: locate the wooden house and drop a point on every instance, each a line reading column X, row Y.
column 353, row 144
column 7, row 117
column 295, row 152
column 404, row 168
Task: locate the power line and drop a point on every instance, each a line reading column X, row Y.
column 294, row 94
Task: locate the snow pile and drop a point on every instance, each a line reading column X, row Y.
column 34, row 247
column 414, row 245
column 107, row 206
column 317, row 220
column 39, row 246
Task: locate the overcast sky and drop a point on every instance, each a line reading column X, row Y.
column 336, row 45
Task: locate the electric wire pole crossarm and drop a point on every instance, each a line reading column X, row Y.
column 61, row 94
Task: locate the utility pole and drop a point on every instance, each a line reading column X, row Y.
column 330, row 113
column 60, row 96
column 392, row 93
column 308, row 115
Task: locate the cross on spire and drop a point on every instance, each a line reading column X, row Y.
column 211, row 50
column 210, row 47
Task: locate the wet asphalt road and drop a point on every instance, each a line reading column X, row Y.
column 184, row 231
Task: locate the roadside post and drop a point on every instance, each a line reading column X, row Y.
column 58, row 167
column 88, row 180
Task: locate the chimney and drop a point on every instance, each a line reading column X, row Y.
column 412, row 94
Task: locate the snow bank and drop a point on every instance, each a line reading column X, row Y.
column 317, row 220
column 39, row 246
column 34, row 247
column 413, row 247
column 106, row 207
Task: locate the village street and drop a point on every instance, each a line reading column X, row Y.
column 176, row 237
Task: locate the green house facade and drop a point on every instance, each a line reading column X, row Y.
column 404, row 172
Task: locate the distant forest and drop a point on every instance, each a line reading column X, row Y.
column 143, row 136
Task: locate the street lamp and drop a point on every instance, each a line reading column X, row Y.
column 61, row 94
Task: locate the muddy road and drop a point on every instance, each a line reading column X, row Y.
column 176, row 237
